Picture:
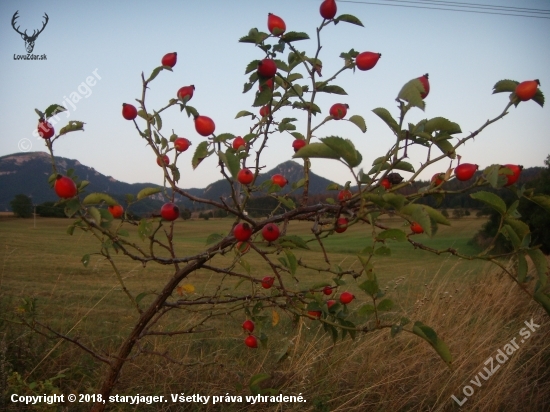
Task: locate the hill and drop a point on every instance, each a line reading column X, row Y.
column 27, row 173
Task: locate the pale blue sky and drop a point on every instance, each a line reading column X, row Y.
column 464, row 53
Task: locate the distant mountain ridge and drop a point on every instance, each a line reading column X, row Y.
column 27, row 173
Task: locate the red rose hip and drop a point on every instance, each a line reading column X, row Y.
column 65, row 187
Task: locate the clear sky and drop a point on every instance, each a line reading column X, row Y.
column 464, row 53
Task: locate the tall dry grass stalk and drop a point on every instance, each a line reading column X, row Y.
column 377, row 372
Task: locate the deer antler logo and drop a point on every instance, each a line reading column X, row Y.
column 29, row 40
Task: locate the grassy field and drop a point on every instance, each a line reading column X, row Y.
column 471, row 306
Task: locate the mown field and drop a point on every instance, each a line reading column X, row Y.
column 472, row 306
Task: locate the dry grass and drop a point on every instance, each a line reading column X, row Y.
column 474, row 310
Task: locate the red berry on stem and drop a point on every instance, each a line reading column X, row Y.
column 185, row 91
column 513, row 178
column 163, row 160
column 330, row 303
column 267, row 282
column 204, row 125
column 426, row 83
column 438, row 179
column 339, row 111
column 314, row 313
column 129, row 111
column 248, row 325
column 275, row 24
column 45, row 129
column 65, row 187
column 251, row 341
column 270, row 232
column 465, row 171
column 346, row 297
column 341, row 225
column 169, row 211
column 267, row 84
column 344, row 195
column 238, row 142
column 116, row 211
column 298, row 144
column 328, row 9
column 245, row 176
column 327, row 290
column 267, row 68
column 526, row 90
column 170, row 59
column 367, row 60
column 416, row 228
column 385, row 182
column 265, row 110
column 242, row 231
column 279, row 180
column 181, row 144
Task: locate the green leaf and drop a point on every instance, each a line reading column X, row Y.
column 243, row 113
column 148, row 191
column 359, row 122
column 316, row 150
column 521, row 228
column 446, row 147
column 158, row 119
column 345, row 149
column 263, row 97
column 420, row 215
column 436, row 215
column 541, row 200
column 370, row 286
column 411, row 92
column 348, row 18
column 292, row 262
column 95, row 198
column 53, row 109
column 429, row 335
column 294, row 36
column 201, row 152
column 231, row 162
column 510, row 234
column 213, row 238
column 289, row 203
column 490, row 199
column 191, row 111
column 85, row 260
column 540, row 262
column 365, row 310
column 72, row 126
column 71, row 207
column 539, row 98
column 253, row 65
column 385, row 305
column 394, row 234
column 155, row 73
column 70, row 229
column 94, row 213
column 441, row 124
column 505, row 86
column 333, row 89
column 145, row 228
column 385, row 115
column 383, row 251
column 406, row 166
column 395, row 200
column 292, row 241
